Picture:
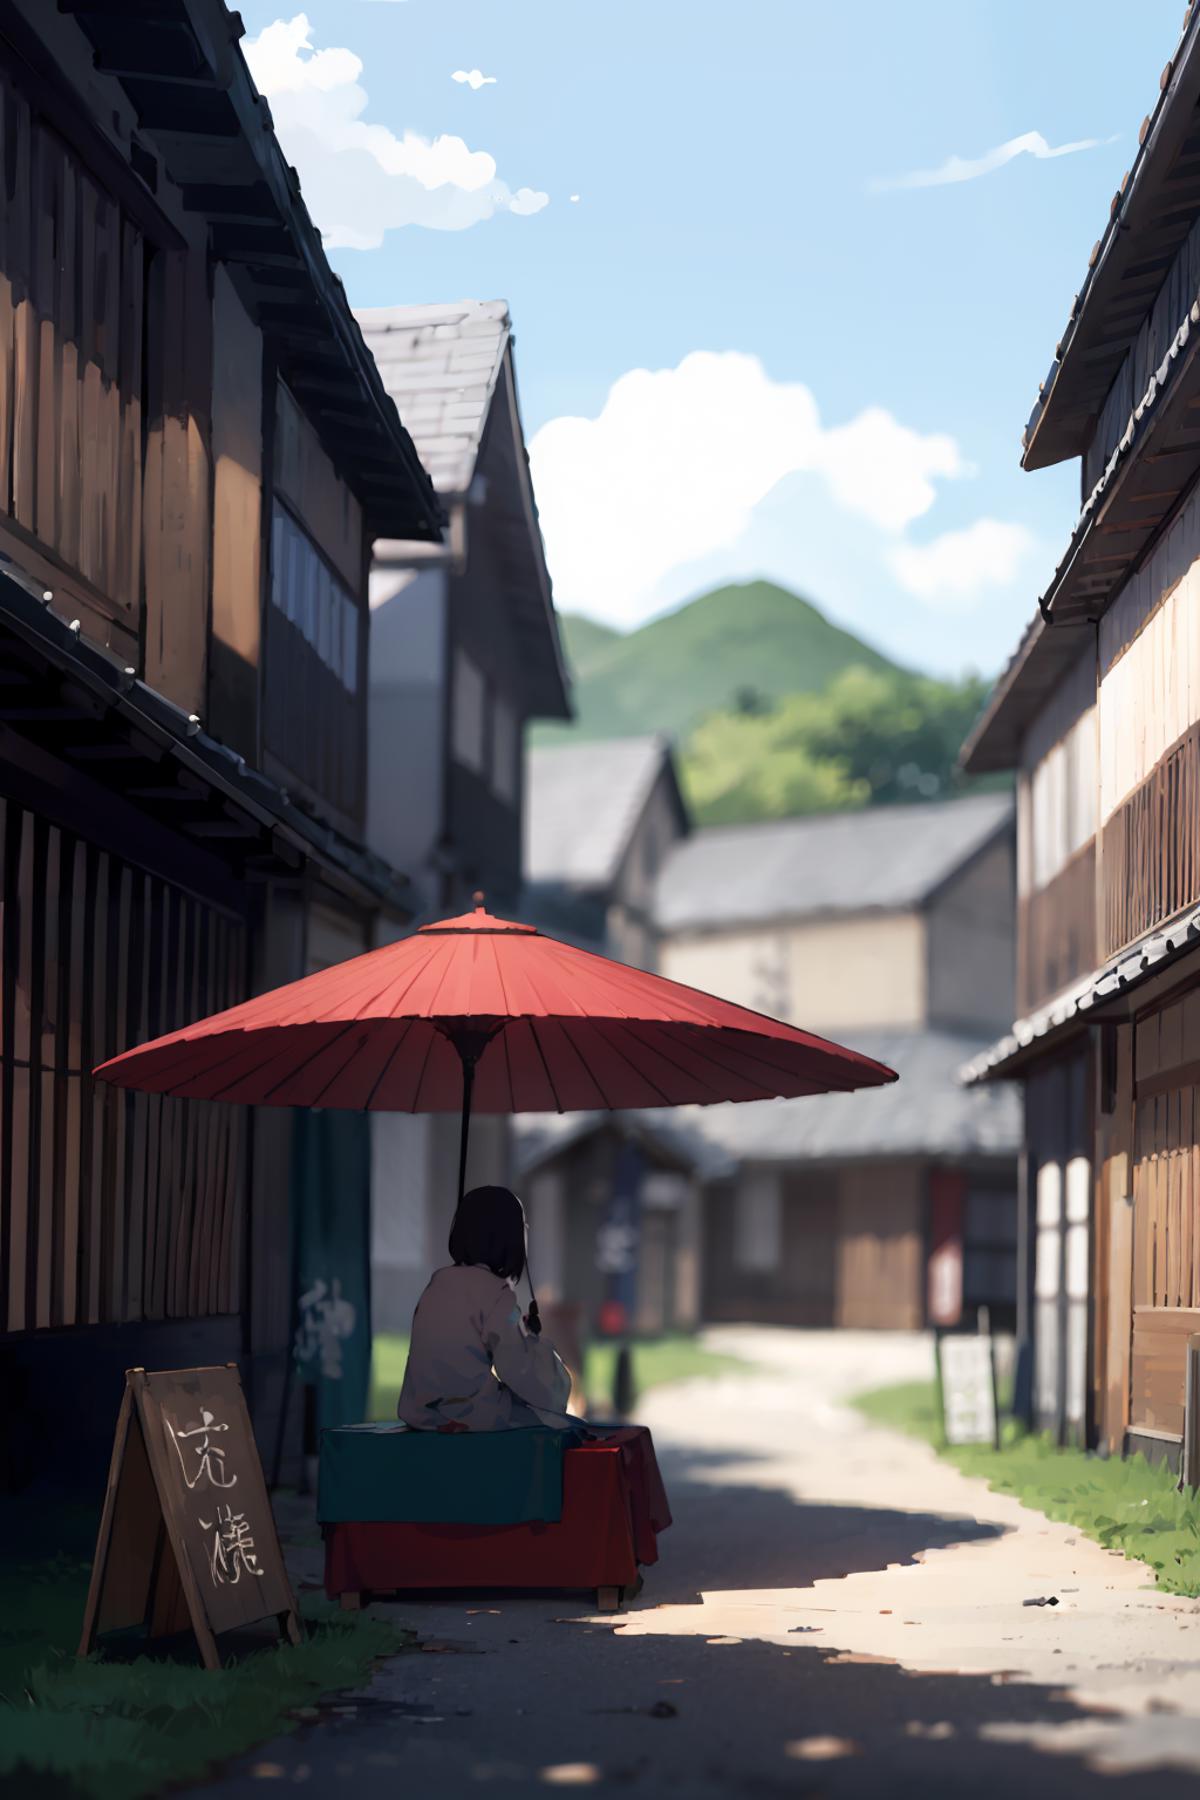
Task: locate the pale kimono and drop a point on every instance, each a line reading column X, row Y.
column 472, row 1362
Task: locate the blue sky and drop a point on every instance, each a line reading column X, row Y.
column 837, row 367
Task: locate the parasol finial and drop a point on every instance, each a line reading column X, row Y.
column 477, row 897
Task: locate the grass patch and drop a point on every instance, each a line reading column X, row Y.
column 122, row 1725
column 389, row 1353
column 656, row 1361
column 910, row 1407
column 1126, row 1504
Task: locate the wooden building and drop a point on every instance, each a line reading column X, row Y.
column 465, row 652
column 890, row 929
column 1099, row 713
column 465, row 645
column 601, row 819
column 570, row 1167
column 196, row 452
column 890, row 1208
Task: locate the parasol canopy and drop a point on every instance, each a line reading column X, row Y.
column 482, row 1010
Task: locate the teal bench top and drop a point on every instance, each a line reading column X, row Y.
column 389, row 1474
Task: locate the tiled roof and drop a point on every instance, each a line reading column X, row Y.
column 582, row 804
column 440, row 364
column 677, row 1133
column 927, row 1113
column 1083, row 1003
column 886, row 858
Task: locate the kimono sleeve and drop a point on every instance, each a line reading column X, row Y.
column 528, row 1366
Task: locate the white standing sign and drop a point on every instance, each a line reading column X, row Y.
column 967, row 1374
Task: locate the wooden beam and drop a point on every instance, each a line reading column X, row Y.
column 175, row 793
column 151, row 76
column 38, row 715
column 45, row 84
column 141, row 12
column 235, row 203
column 103, row 753
column 220, row 828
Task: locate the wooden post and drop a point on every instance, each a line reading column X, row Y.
column 90, row 1611
column 1189, row 1473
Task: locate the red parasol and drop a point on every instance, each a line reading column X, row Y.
column 478, row 1010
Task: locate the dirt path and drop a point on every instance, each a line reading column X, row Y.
column 837, row 1612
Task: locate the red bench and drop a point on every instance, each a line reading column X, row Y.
column 614, row 1507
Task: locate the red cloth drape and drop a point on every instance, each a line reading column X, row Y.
column 614, row 1506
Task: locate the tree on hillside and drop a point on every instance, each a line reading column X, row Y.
column 754, row 765
column 900, row 734
column 872, row 737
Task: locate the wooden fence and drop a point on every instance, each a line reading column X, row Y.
column 1056, row 934
column 1150, row 856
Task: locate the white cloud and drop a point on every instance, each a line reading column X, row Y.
column 970, row 168
column 474, row 78
column 359, row 179
column 885, row 471
column 952, row 571
column 677, row 460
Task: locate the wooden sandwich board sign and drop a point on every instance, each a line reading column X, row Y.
column 187, row 1535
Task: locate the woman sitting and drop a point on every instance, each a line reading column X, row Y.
column 474, row 1363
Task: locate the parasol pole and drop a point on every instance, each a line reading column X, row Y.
column 468, row 1069
column 470, row 1040
column 469, row 1055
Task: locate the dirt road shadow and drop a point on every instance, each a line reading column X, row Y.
column 739, row 1535
column 517, row 1694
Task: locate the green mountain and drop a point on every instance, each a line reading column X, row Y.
column 586, row 642
column 736, row 649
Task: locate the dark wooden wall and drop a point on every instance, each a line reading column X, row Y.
column 801, row 1289
column 114, row 1207
column 237, row 515
column 72, row 293
column 1166, row 1232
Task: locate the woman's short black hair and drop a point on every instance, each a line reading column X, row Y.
column 489, row 1228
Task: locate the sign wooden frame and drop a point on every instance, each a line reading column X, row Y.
column 187, row 1536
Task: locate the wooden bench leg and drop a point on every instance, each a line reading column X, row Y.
column 608, row 1599
column 351, row 1602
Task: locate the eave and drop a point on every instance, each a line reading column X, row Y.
column 1150, row 217
column 179, row 65
column 1040, row 663
column 67, row 700
column 530, row 597
column 1105, row 996
column 1149, row 473
column 501, row 510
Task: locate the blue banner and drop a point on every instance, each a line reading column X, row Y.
column 331, row 1241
